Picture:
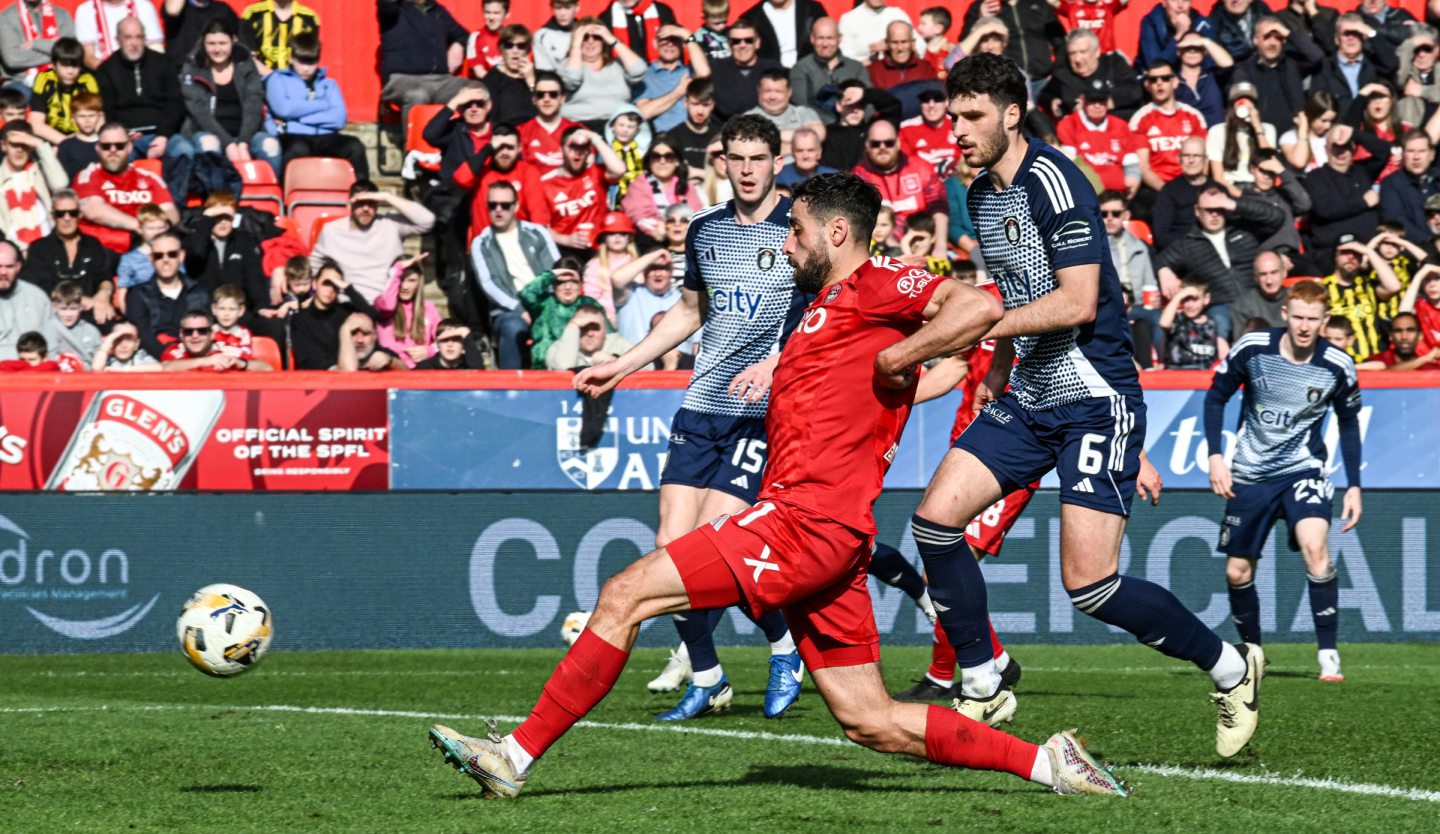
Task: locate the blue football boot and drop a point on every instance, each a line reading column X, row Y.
column 783, row 690
column 701, row 700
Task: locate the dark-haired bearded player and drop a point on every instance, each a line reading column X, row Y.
column 834, row 423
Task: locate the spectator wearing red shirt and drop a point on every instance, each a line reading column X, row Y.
column 929, row 135
column 112, row 191
column 900, row 64
column 570, row 200
column 907, row 184
column 1105, row 141
column 1422, row 298
column 1407, row 351
column 502, row 163
column 1096, row 15
column 482, row 50
column 540, row 136
column 197, row 351
column 1162, row 126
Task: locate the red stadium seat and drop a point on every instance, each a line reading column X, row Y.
column 318, row 180
column 305, row 216
column 320, row 223
column 420, row 116
column 154, row 166
column 1141, row 229
column 266, row 350
column 262, row 190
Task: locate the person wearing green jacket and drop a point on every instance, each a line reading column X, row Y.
column 550, row 300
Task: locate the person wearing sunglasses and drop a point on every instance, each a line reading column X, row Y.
column 1162, row 127
column 1416, row 78
column 67, row 254
column 157, row 306
column 598, row 74
column 929, row 135
column 1277, row 67
column 507, row 255
column 666, row 183
column 1360, row 58
column 196, row 349
column 113, row 190
column 908, row 184
column 540, row 136
column 511, row 80
column 737, row 78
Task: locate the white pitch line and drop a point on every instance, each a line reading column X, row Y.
column 1201, row 774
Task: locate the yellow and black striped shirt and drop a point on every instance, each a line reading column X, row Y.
column 54, row 100
column 266, row 35
column 1361, row 305
column 1405, row 269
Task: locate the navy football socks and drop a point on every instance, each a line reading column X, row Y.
column 1325, row 607
column 1153, row 615
column 888, row 566
column 957, row 588
column 697, row 629
column 1245, row 611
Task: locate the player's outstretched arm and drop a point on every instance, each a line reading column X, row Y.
column 957, row 316
column 678, row 324
column 1072, row 304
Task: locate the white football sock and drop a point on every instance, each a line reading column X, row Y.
column 1003, row 661
column 784, row 645
column 683, row 653
column 938, row 681
column 1041, row 772
column 1229, row 669
column 517, row 755
column 980, row 681
column 708, row 677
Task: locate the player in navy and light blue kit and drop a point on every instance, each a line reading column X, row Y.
column 1074, row 405
column 1291, row 378
column 740, row 284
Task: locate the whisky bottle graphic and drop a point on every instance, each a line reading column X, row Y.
column 136, row 441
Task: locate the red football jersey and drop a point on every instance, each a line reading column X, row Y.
column 1105, row 149
column 1165, row 133
column 935, row 145
column 908, row 189
column 1429, row 317
column 978, row 359
column 1095, row 15
column 541, row 147
column 833, row 431
column 482, row 51
column 126, row 191
column 238, row 342
column 568, row 204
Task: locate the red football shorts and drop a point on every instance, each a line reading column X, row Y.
column 778, row 556
column 987, row 532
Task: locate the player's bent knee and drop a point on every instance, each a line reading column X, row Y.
column 1238, row 571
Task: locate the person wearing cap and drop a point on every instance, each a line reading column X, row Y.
column 586, row 340
column 551, row 300
column 929, row 135
column 1233, row 142
column 1106, row 142
column 824, row 67
column 1360, row 58
column 1278, row 66
column 617, row 248
column 1086, row 67
column 662, row 91
column 1403, row 194
column 1198, row 58
column 1343, row 195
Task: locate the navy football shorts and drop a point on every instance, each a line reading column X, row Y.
column 1251, row 514
column 713, row 451
column 1093, row 444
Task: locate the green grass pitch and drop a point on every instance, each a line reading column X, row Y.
column 335, row 742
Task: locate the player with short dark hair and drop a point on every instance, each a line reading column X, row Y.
column 835, row 420
column 1291, row 377
column 1074, row 405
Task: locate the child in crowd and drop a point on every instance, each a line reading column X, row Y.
column 630, row 136
column 53, row 100
column 227, row 305
column 1423, row 299
column 932, row 27
column 78, row 151
column 713, row 35
column 290, row 288
column 13, row 105
column 1192, row 340
column 453, row 349
column 1403, row 256
column 1339, row 332
column 135, row 266
column 65, row 332
column 31, row 348
column 121, row 352
column 407, row 322
column 882, row 240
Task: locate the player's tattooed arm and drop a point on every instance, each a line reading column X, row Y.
column 957, row 316
column 1072, row 303
column 678, row 324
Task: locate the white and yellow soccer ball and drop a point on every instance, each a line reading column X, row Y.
column 573, row 625
column 224, row 630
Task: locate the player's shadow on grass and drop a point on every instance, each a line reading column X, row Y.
column 817, row 777
column 221, row 789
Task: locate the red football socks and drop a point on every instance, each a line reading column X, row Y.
column 583, row 678
column 942, row 656
column 952, row 739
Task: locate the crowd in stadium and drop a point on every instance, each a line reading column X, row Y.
column 1232, row 151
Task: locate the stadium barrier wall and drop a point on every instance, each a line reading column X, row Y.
column 109, row 573
column 519, row 431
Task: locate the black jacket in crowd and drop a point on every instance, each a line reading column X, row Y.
column 1036, row 36
column 155, row 315
column 1379, row 63
column 1174, row 211
column 143, row 95
column 1196, row 256
column 1281, row 87
column 315, row 333
column 415, row 40
column 1337, row 201
column 47, row 264
column 457, row 148
column 806, row 13
column 241, row 264
column 1113, row 72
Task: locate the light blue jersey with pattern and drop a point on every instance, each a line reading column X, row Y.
column 1283, row 407
column 747, row 288
column 1047, row 220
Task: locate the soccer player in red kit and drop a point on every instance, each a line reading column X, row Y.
column 834, row 424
